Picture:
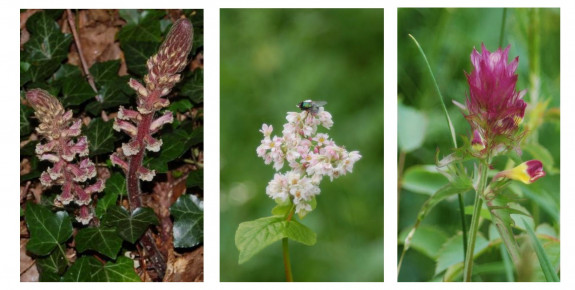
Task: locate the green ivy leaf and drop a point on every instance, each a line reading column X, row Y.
column 116, row 184
column 103, row 240
column 105, row 71
column 47, row 229
column 254, row 236
column 193, row 86
column 81, row 270
column 110, row 197
column 101, row 137
column 175, row 144
column 47, row 47
column 141, row 26
column 129, row 226
column 121, row 271
column 188, row 212
column 111, row 94
column 137, row 54
column 55, row 263
column 75, row 90
column 24, row 73
column 196, row 178
column 181, row 106
column 25, row 113
column 66, row 71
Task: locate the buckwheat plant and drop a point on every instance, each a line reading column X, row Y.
column 494, row 109
column 67, row 149
column 140, row 124
column 310, row 156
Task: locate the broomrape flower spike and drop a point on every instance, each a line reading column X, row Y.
column 62, row 144
column 310, row 156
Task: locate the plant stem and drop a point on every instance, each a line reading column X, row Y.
column 468, row 267
column 71, row 21
column 287, row 265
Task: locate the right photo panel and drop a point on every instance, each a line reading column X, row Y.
column 478, row 145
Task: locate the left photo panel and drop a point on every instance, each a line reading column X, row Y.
column 301, row 145
column 111, row 145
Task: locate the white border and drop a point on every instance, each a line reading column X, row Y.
column 9, row 132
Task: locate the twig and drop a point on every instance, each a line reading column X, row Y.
column 85, row 70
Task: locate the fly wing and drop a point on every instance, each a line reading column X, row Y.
column 320, row 103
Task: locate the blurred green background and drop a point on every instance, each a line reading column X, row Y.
column 271, row 59
column 448, row 36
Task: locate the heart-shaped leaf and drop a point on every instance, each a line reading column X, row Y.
column 47, row 229
column 101, row 137
column 103, row 240
column 89, row 269
column 130, row 226
column 188, row 212
column 55, row 264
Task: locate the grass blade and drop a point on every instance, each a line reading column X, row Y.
column 544, row 262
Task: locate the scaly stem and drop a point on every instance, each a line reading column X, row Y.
column 468, row 268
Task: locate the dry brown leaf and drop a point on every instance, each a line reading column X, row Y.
column 187, row 267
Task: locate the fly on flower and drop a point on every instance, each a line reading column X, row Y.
column 311, row 106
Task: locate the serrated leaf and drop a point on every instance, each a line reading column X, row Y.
column 47, row 47
column 55, row 263
column 47, row 229
column 121, row 271
column 129, row 226
column 188, row 213
column 451, row 252
column 103, row 240
column 105, row 71
column 195, row 178
column 80, row 271
column 100, row 136
column 254, row 236
column 25, row 113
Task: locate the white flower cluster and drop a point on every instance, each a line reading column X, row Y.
column 309, row 154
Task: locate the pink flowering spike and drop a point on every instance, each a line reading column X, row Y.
column 82, row 197
column 139, row 88
column 81, row 147
column 126, row 114
column 526, row 172
column 131, row 148
column 48, row 147
column 168, row 117
column 66, row 196
column 494, row 105
column 161, row 103
column 45, row 179
column 146, row 174
column 116, row 160
column 57, row 170
column 75, row 129
column 89, row 168
column 152, row 144
column 85, row 215
column 125, row 126
column 49, row 157
column 98, row 186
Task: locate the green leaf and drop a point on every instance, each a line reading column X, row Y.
column 254, row 236
column 451, row 252
column 137, row 54
column 66, row 71
column 103, row 240
column 111, row 94
column 47, row 229
column 105, row 71
column 181, row 106
column 175, row 144
column 81, row 270
column 188, row 213
column 55, row 263
column 193, row 86
column 121, row 271
column 544, row 262
column 129, row 226
column 47, row 47
column 195, row 178
column 110, row 198
column 282, row 209
column 25, row 113
column 116, row 184
column 24, row 73
column 101, row 137
column 410, row 128
column 427, row 240
column 423, row 179
column 542, row 154
column 141, row 26
column 75, row 91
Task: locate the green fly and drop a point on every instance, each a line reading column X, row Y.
column 311, row 106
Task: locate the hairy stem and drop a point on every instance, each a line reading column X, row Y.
column 474, row 227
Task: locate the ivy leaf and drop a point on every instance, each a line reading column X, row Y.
column 254, row 236
column 66, row 71
column 103, row 240
column 75, row 90
column 81, row 270
column 196, row 178
column 130, row 226
column 105, row 71
column 47, row 229
column 137, row 53
column 55, row 264
column 24, row 73
column 193, row 86
column 47, row 47
column 181, row 106
column 116, row 184
column 121, row 271
column 25, row 113
column 188, row 212
column 101, row 137
column 106, row 201
column 112, row 93
column 141, row 26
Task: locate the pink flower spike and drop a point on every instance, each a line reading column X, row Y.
column 152, row 144
column 85, row 215
column 126, row 114
column 82, row 197
column 146, row 174
column 131, row 148
column 81, row 147
column 66, row 196
column 98, row 186
column 88, row 166
column 161, row 103
column 75, row 129
column 138, row 87
column 168, row 117
column 116, row 160
column 127, row 127
column 45, row 179
column 48, row 147
column 56, row 171
column 50, row 157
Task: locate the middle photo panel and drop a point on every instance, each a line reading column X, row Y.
column 301, row 145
